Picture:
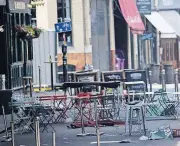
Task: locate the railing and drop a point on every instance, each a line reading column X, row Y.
column 17, row 73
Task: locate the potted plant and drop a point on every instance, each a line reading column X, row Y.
column 28, row 32
column 21, row 31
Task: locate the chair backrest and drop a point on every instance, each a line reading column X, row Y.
column 87, row 77
column 108, row 76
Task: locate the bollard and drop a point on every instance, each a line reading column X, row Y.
column 53, row 138
column 30, row 83
column 5, row 122
column 176, row 79
column 150, row 81
column 163, row 80
column 82, row 117
column 96, row 120
column 39, row 77
column 12, row 134
column 37, row 132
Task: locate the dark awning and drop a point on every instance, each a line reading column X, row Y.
column 2, row 2
column 131, row 15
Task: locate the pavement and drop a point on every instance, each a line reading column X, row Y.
column 68, row 137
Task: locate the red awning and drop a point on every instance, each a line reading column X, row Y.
column 132, row 16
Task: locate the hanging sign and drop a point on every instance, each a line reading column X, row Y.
column 144, row 6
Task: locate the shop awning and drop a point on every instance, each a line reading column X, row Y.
column 161, row 25
column 173, row 19
column 131, row 15
column 2, row 2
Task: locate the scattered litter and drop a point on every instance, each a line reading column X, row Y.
column 164, row 132
column 143, row 138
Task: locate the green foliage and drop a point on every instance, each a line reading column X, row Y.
column 28, row 31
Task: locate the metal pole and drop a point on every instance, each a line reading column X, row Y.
column 30, row 83
column 150, row 81
column 5, row 121
column 64, row 51
column 39, row 77
column 25, row 58
column 176, row 79
column 96, row 120
column 53, row 138
column 37, row 132
column 82, row 118
column 163, row 79
column 51, row 63
column 12, row 134
column 64, row 45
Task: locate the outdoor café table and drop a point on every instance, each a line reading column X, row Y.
column 89, row 96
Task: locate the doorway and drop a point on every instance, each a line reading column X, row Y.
column 120, row 27
column 2, row 42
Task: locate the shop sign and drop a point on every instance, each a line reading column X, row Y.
column 144, row 6
column 19, row 5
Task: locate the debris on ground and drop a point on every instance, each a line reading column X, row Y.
column 164, row 132
column 143, row 138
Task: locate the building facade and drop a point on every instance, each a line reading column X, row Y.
column 92, row 33
column 16, row 54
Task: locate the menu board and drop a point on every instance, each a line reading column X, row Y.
column 135, row 76
column 87, row 77
column 112, row 76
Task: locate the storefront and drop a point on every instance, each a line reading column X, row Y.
column 167, row 37
column 17, row 53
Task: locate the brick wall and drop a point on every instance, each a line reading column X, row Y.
column 77, row 59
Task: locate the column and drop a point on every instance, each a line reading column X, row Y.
column 129, row 47
column 112, row 35
column 47, row 14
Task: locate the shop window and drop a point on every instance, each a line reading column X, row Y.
column 19, row 48
column 14, row 52
column 17, row 18
column 64, row 12
column 33, row 16
column 30, row 50
column 167, row 52
column 171, row 51
column 175, row 52
column 27, row 19
column 163, row 53
column 22, row 19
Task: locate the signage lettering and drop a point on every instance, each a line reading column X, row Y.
column 135, row 19
column 19, row 5
column 144, row 6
